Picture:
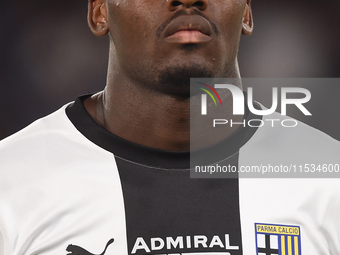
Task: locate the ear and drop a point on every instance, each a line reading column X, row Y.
column 247, row 24
column 97, row 17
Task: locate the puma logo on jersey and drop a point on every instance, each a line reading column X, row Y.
column 77, row 250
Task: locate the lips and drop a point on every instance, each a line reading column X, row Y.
column 188, row 29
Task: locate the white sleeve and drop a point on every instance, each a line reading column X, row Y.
column 331, row 224
column 2, row 243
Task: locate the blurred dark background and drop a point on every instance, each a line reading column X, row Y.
column 48, row 56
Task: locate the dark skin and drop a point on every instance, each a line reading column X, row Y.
column 146, row 98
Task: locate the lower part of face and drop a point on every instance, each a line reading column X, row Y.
column 145, row 56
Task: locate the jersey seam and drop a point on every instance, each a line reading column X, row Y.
column 170, row 169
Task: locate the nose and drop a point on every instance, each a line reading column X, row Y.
column 173, row 5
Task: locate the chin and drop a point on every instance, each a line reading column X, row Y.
column 176, row 80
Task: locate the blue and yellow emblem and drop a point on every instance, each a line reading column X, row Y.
column 273, row 239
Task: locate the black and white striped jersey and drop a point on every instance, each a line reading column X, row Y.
column 68, row 186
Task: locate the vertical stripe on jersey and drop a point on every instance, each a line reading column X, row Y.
column 167, row 212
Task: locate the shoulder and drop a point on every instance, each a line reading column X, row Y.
column 48, row 170
column 286, row 133
column 36, row 137
column 47, row 147
column 285, row 141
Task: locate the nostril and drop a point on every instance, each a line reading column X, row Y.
column 173, row 5
column 198, row 4
column 176, row 3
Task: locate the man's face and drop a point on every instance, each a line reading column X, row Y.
column 161, row 44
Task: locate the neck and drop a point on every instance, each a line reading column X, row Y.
column 154, row 119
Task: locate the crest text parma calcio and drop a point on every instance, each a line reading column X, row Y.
column 274, row 239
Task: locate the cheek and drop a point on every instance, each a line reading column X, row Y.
column 229, row 14
column 231, row 24
column 133, row 28
column 131, row 25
